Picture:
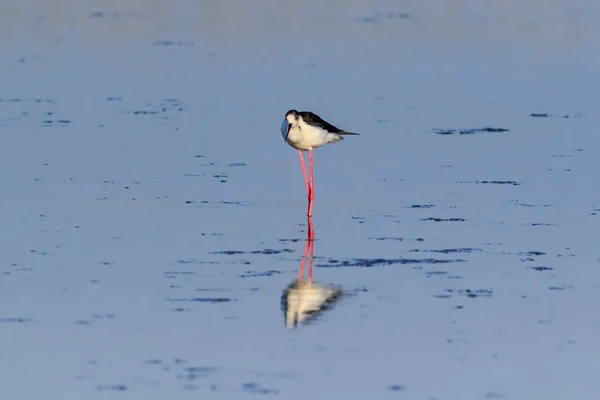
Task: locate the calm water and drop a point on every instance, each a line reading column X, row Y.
column 153, row 219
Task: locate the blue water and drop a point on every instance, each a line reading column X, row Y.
column 153, row 216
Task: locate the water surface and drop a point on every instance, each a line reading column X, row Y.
column 153, row 216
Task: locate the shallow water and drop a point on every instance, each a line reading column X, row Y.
column 153, row 218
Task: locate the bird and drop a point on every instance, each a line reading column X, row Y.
column 306, row 131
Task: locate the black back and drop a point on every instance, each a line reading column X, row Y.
column 314, row 119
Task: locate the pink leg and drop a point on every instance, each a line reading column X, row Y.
column 310, row 263
column 303, row 261
column 305, row 174
column 311, row 195
column 310, row 241
column 311, row 231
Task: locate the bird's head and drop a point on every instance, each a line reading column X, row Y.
column 292, row 117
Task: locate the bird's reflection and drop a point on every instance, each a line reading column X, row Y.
column 305, row 300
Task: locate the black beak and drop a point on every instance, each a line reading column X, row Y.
column 288, row 129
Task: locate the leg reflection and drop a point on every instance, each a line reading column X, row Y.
column 309, row 252
column 305, row 300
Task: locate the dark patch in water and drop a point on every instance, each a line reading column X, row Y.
column 381, row 17
column 17, row 100
column 546, row 115
column 291, row 240
column 477, row 293
column 174, row 273
column 399, row 239
column 466, row 292
column 468, row 131
column 165, row 108
column 235, row 203
column 15, row 320
column 59, row 122
column 457, row 340
column 113, row 388
column 379, row 262
column 541, row 268
column 448, row 251
column 238, row 165
column 203, row 299
column 193, row 373
column 228, row 252
column 538, row 224
column 141, row 112
column 492, row 182
column 172, row 43
column 444, row 219
column 103, row 316
column 254, row 274
column 429, row 274
column 251, row 387
column 265, row 251
column 104, row 14
column 499, row 182
column 397, row 388
column 561, row 287
column 422, row 206
column 114, row 98
column 194, row 261
column 41, row 253
column 271, row 251
column 530, row 253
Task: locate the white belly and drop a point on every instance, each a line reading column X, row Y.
column 306, row 137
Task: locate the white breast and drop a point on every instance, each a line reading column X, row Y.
column 306, row 137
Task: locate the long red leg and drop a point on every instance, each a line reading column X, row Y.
column 311, row 195
column 305, row 174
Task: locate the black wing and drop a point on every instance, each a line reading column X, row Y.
column 314, row 119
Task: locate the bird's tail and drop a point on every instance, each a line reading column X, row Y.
column 336, row 137
column 333, row 137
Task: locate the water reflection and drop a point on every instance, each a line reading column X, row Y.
column 303, row 300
